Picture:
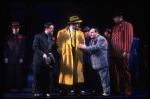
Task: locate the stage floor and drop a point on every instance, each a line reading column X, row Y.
column 27, row 93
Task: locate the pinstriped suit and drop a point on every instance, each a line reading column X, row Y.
column 99, row 60
column 14, row 50
column 121, row 40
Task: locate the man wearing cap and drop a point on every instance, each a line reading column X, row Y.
column 14, row 57
column 71, row 67
column 121, row 40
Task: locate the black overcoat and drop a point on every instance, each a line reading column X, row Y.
column 41, row 46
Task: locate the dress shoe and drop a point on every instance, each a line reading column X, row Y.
column 129, row 94
column 105, row 94
column 48, row 95
column 36, row 95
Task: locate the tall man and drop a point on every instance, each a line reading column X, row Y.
column 98, row 49
column 14, row 57
column 71, row 69
column 43, row 60
column 121, row 40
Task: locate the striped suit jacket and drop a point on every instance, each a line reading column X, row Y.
column 14, row 48
column 121, row 40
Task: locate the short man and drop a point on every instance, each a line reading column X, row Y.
column 121, row 40
column 43, row 45
column 98, row 49
column 14, row 56
column 71, row 69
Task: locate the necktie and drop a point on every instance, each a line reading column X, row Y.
column 15, row 37
column 73, row 38
column 48, row 38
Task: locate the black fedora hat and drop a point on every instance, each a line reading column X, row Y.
column 50, row 61
column 118, row 12
column 15, row 25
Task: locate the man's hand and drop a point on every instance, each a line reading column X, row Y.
column 45, row 56
column 82, row 46
column 21, row 61
column 49, row 53
column 6, row 60
column 125, row 54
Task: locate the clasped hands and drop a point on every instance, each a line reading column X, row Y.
column 82, row 46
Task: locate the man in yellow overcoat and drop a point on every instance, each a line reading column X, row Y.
column 71, row 67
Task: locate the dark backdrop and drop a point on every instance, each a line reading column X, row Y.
column 33, row 15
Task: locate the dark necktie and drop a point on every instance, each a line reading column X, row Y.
column 48, row 38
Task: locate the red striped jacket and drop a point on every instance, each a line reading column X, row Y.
column 121, row 40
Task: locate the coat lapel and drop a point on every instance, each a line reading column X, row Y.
column 10, row 42
column 45, row 39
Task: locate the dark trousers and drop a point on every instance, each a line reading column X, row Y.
column 120, row 72
column 76, row 85
column 94, row 81
column 14, row 76
column 43, row 79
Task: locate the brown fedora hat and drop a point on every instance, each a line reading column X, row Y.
column 15, row 25
column 74, row 19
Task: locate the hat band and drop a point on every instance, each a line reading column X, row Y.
column 15, row 26
column 75, row 20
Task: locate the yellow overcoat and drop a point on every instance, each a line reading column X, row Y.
column 68, row 66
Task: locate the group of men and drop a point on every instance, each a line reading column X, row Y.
column 73, row 47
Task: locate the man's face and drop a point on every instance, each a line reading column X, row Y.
column 77, row 25
column 86, row 33
column 51, row 29
column 116, row 19
column 93, row 33
column 15, row 30
column 106, row 33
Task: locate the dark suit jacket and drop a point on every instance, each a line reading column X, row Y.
column 41, row 46
column 14, row 48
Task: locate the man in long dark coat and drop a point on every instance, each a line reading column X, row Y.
column 14, row 56
column 43, row 45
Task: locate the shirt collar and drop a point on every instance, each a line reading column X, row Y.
column 120, row 22
column 70, row 29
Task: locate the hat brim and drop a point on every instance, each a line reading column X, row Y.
column 15, row 26
column 78, row 21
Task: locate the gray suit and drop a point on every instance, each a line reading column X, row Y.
column 99, row 60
